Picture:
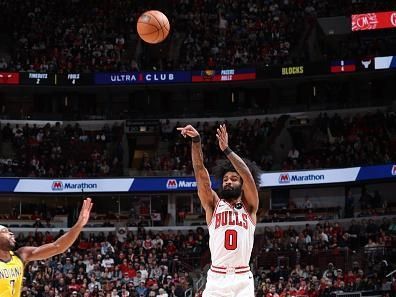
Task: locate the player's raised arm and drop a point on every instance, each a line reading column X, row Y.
column 207, row 196
column 250, row 193
column 30, row 253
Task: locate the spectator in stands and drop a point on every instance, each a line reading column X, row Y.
column 349, row 204
column 310, row 216
column 38, row 223
column 106, row 248
column 162, row 293
column 307, row 203
column 293, row 154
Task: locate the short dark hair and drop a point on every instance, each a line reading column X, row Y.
column 224, row 165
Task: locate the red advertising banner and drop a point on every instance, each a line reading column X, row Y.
column 374, row 21
column 9, row 78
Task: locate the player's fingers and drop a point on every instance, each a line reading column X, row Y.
column 190, row 133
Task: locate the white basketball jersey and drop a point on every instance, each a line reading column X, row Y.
column 231, row 236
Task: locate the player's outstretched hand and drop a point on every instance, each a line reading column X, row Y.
column 222, row 137
column 188, row 131
column 84, row 213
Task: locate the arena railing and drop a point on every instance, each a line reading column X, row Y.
column 260, row 227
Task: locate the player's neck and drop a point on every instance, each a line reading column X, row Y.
column 5, row 256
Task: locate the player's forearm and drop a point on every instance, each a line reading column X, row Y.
column 51, row 249
column 197, row 157
column 200, row 171
column 66, row 240
column 239, row 165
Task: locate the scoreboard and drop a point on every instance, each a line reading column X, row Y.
column 34, row 78
column 365, row 64
column 74, row 79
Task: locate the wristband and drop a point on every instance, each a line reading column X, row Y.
column 196, row 138
column 227, row 151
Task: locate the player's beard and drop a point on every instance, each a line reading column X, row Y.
column 230, row 194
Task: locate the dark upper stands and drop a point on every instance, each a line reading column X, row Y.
column 357, row 45
column 87, row 36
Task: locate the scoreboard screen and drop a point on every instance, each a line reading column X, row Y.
column 223, row 75
column 9, row 78
column 74, row 79
column 39, row 79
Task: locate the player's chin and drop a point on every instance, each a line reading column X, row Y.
column 12, row 244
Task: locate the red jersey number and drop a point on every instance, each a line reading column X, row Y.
column 230, row 239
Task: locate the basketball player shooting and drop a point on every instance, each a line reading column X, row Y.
column 12, row 263
column 230, row 215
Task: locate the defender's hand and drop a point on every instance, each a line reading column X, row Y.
column 84, row 213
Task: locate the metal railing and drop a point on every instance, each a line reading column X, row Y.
column 188, row 293
column 351, row 294
column 200, row 283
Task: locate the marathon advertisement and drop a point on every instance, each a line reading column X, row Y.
column 329, row 176
column 138, row 184
column 147, row 78
column 298, row 178
column 224, row 75
column 373, row 21
column 180, row 184
column 59, row 186
column 74, row 79
column 166, row 184
column 38, row 79
column 9, row 78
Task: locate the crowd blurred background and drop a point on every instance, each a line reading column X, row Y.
column 309, row 242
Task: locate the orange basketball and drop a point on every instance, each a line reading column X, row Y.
column 153, row 26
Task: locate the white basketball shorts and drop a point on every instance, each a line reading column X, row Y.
column 229, row 285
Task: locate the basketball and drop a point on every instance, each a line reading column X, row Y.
column 153, row 26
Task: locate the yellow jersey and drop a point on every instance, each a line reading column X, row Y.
column 11, row 274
